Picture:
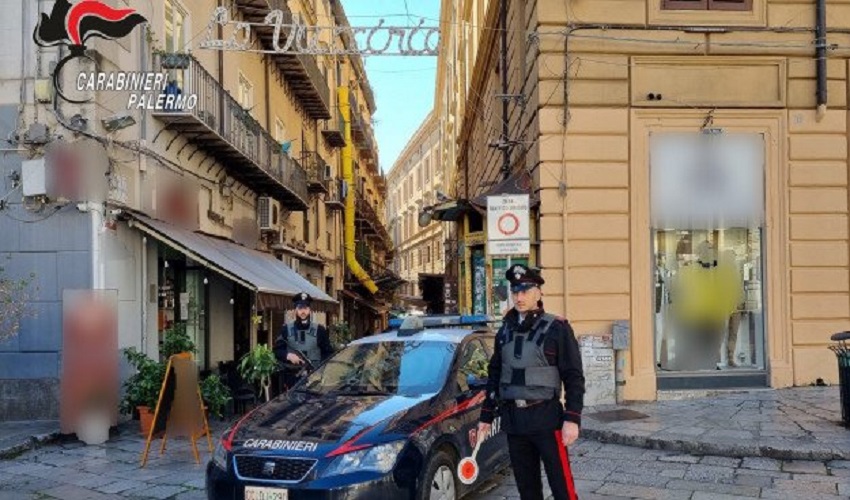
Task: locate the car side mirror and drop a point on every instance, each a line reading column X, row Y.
column 476, row 383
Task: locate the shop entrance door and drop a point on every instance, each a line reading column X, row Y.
column 195, row 313
column 707, row 210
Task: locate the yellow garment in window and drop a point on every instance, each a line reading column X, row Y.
column 707, row 295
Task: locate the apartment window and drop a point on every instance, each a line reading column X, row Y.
column 427, row 169
column 246, row 92
column 329, row 286
column 306, row 228
column 176, row 27
column 279, row 130
column 318, row 224
column 338, row 73
column 329, row 225
column 707, row 4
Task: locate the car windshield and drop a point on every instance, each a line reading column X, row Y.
column 408, row 368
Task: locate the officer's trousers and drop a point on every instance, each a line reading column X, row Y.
column 526, row 452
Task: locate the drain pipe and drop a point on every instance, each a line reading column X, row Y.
column 348, row 177
column 820, row 52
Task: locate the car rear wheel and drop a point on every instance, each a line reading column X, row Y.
column 439, row 482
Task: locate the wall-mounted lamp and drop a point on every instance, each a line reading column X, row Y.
column 166, row 264
column 206, row 281
column 425, row 216
column 231, row 301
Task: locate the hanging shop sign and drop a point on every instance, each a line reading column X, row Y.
column 508, row 225
column 292, row 36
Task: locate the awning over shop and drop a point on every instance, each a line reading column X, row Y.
column 271, row 279
column 519, row 182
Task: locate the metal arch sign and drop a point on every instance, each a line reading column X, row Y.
column 299, row 38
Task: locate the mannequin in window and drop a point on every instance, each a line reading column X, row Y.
column 729, row 266
column 706, row 294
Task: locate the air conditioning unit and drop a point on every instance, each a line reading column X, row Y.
column 268, row 214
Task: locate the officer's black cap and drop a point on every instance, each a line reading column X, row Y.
column 303, row 299
column 522, row 277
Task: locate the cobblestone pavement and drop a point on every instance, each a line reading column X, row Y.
column 614, row 472
column 799, row 423
column 73, row 471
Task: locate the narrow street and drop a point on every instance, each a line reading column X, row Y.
column 73, row 471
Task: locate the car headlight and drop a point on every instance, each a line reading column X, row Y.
column 220, row 456
column 380, row 458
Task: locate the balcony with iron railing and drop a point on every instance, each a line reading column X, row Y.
column 302, row 71
column 361, row 131
column 386, row 279
column 226, row 131
column 334, row 199
column 370, row 222
column 333, row 130
column 318, row 172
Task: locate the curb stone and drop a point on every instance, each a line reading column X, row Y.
column 736, row 450
column 29, row 443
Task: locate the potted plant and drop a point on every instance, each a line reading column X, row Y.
column 176, row 341
column 341, row 334
column 141, row 390
column 258, row 366
column 216, row 395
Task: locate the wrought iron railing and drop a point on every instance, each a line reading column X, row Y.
column 221, row 113
column 308, row 62
column 335, row 192
column 317, row 169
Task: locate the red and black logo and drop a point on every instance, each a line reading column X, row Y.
column 72, row 25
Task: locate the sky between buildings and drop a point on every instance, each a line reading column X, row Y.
column 403, row 86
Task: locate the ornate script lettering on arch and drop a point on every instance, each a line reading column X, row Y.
column 296, row 37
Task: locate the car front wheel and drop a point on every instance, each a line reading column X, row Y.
column 439, row 482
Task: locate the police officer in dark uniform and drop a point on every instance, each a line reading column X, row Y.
column 304, row 335
column 536, row 355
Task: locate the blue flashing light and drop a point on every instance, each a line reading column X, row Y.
column 445, row 321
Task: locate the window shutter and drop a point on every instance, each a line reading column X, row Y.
column 684, row 4
column 730, row 4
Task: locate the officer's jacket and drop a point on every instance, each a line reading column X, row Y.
column 312, row 341
column 526, row 373
column 532, row 361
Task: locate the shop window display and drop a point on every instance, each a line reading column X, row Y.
column 707, row 211
column 708, row 311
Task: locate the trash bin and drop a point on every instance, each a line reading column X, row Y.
column 842, row 351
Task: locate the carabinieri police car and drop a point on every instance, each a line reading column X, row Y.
column 389, row 416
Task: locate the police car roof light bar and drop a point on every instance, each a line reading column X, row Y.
column 441, row 321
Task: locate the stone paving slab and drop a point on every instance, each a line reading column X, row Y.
column 784, row 424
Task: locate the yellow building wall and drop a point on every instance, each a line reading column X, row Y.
column 818, row 246
column 594, row 236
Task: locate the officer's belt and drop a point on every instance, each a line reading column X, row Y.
column 525, row 403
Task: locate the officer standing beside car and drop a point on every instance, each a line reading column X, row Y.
column 536, row 355
column 302, row 336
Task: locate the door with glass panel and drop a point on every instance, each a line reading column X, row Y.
column 707, row 223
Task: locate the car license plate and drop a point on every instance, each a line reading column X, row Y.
column 257, row 493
